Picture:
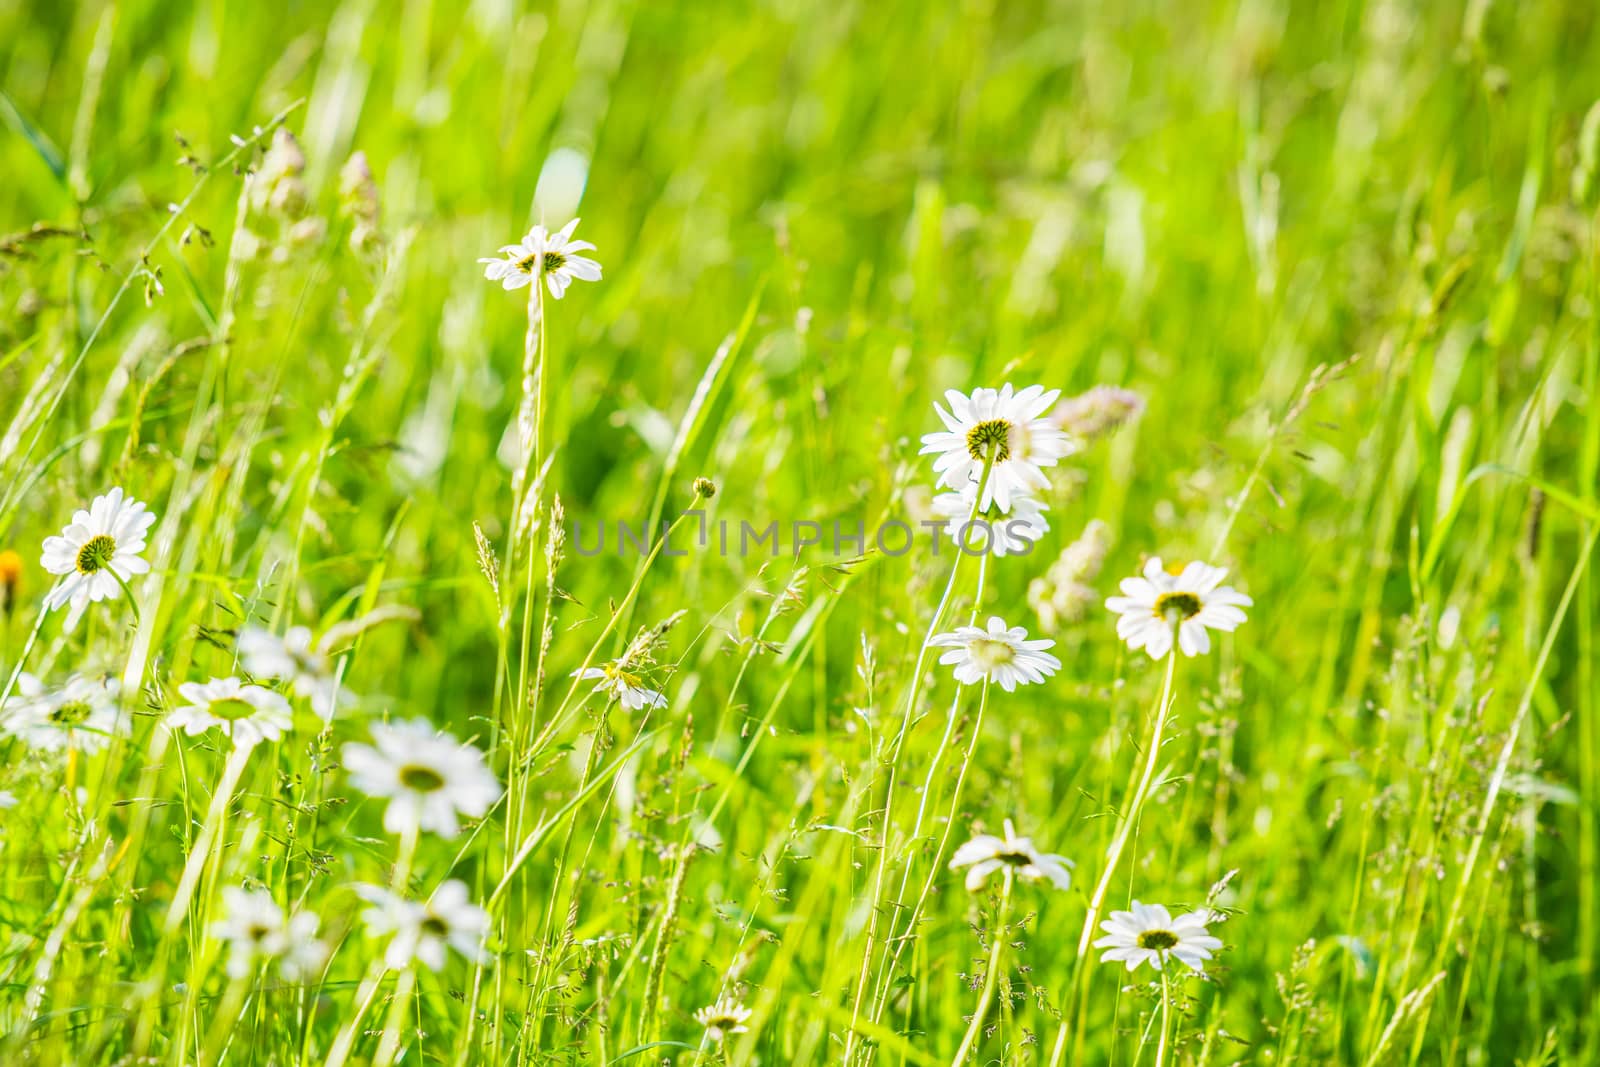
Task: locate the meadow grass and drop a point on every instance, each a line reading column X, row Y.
column 1348, row 255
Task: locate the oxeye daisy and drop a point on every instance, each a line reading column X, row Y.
column 297, row 660
column 245, row 713
column 256, row 931
column 552, row 256
column 1004, row 429
column 97, row 554
column 424, row 932
column 1150, row 934
column 1190, row 601
column 997, row 654
column 1012, row 534
column 81, row 715
column 24, row 694
column 429, row 776
column 986, row 853
column 624, row 686
column 726, row 1016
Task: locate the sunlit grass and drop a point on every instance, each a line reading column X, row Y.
column 1345, row 255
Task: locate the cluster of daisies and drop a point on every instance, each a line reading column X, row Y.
column 990, row 462
column 429, row 779
column 990, row 459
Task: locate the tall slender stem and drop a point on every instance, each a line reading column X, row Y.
column 1119, row 844
column 992, row 977
column 1166, row 1018
column 894, row 767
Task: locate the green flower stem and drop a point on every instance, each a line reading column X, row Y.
column 1119, row 844
column 992, row 976
column 851, row 1037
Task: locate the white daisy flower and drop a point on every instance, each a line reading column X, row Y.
column 1150, row 933
column 624, row 686
column 82, row 714
column 986, row 853
column 1008, row 427
column 28, row 688
column 8, row 799
column 97, row 554
column 1190, row 601
column 1000, row 534
column 727, row 1016
column 296, row 659
column 257, row 931
column 425, row 932
column 246, row 713
column 554, row 256
column 429, row 775
column 998, row 654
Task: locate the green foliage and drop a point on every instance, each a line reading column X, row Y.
column 1346, row 252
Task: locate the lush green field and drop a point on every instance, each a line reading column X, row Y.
column 1345, row 253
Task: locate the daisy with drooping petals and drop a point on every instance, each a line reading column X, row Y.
column 1004, row 429
column 552, row 256
column 424, row 932
column 257, row 930
column 296, row 659
column 81, row 715
column 1190, row 602
column 986, row 853
column 990, row 531
column 624, row 686
column 1150, row 934
column 97, row 554
column 246, row 713
column 727, row 1016
column 429, row 776
column 996, row 654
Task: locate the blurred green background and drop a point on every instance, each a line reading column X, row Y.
column 1199, row 201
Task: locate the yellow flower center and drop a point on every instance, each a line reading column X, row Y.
column 231, row 709
column 621, row 677
column 989, row 653
column 1158, row 939
column 993, row 435
column 549, row 262
column 96, row 553
column 72, row 713
column 420, row 779
column 1176, row 607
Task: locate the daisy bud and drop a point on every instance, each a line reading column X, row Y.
column 704, row 488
